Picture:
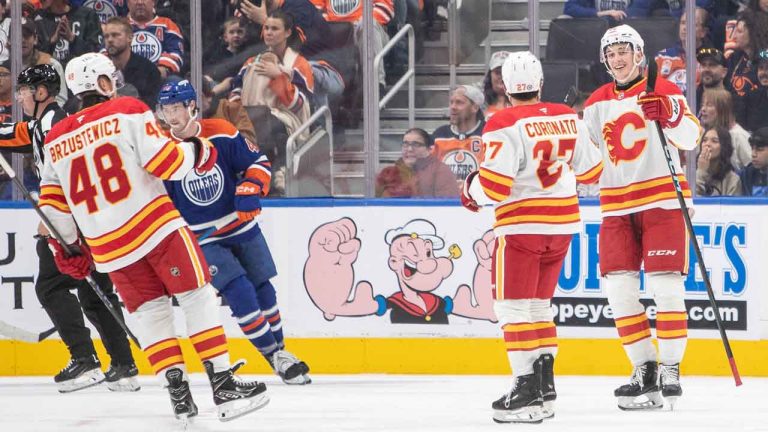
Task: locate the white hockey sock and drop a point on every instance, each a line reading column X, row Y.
column 158, row 335
column 201, row 311
column 520, row 338
column 623, row 292
column 671, row 317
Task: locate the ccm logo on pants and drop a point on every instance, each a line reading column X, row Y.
column 662, row 252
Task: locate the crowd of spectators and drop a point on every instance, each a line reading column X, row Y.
column 268, row 64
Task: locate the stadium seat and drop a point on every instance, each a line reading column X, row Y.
column 657, row 33
column 575, row 39
column 559, row 76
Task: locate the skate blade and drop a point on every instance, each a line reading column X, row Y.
column 84, row 381
column 548, row 410
column 231, row 410
column 130, row 384
column 647, row 401
column 299, row 380
column 523, row 415
column 185, row 420
column 670, row 401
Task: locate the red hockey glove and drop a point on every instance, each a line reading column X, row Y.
column 466, row 200
column 205, row 154
column 661, row 108
column 78, row 265
column 248, row 199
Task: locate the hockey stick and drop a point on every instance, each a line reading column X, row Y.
column 17, row 333
column 651, row 84
column 217, row 227
column 12, row 174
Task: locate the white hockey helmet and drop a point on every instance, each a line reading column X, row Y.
column 621, row 34
column 521, row 73
column 83, row 72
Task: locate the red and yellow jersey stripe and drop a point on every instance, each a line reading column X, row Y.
column 53, row 196
column 639, row 194
column 166, row 162
column 592, row 175
column 553, row 211
column 135, row 232
column 496, row 186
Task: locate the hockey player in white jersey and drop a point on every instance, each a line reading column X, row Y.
column 103, row 175
column 642, row 223
column 533, row 155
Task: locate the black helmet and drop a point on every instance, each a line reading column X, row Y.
column 43, row 74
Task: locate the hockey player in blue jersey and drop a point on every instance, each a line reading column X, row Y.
column 221, row 207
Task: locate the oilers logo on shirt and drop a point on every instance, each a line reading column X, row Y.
column 205, row 189
column 104, row 9
column 147, row 45
column 461, row 162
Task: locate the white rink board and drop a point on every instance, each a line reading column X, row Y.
column 733, row 242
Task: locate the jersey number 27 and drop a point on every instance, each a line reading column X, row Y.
column 543, row 150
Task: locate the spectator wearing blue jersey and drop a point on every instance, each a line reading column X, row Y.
column 221, row 207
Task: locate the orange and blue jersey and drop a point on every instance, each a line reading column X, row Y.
column 207, row 200
column 159, row 41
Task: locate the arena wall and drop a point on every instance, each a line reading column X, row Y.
column 340, row 325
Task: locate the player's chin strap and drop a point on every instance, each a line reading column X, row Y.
column 635, row 65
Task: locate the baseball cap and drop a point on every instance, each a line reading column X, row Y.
column 28, row 27
column 713, row 53
column 497, row 59
column 759, row 137
column 472, row 93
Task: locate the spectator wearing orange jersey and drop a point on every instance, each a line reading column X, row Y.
column 352, row 11
column 459, row 143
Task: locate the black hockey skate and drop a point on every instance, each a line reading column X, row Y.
column 522, row 404
column 122, row 378
column 181, row 398
column 642, row 392
column 290, row 369
column 544, row 368
column 669, row 381
column 234, row 397
column 80, row 373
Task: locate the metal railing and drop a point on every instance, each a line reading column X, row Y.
column 409, row 76
column 295, row 150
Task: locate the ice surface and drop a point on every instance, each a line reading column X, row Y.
column 383, row 403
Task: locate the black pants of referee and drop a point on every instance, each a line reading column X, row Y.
column 53, row 290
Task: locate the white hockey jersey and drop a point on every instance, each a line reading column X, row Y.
column 635, row 175
column 533, row 155
column 104, row 167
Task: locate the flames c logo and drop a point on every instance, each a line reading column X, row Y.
column 612, row 134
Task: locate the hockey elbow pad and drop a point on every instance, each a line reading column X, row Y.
column 466, row 199
column 205, row 154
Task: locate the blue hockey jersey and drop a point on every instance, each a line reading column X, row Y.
column 207, row 201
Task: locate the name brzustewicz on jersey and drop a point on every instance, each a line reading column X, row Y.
column 635, row 176
column 533, row 155
column 103, row 167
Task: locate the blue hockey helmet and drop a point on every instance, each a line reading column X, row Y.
column 174, row 92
